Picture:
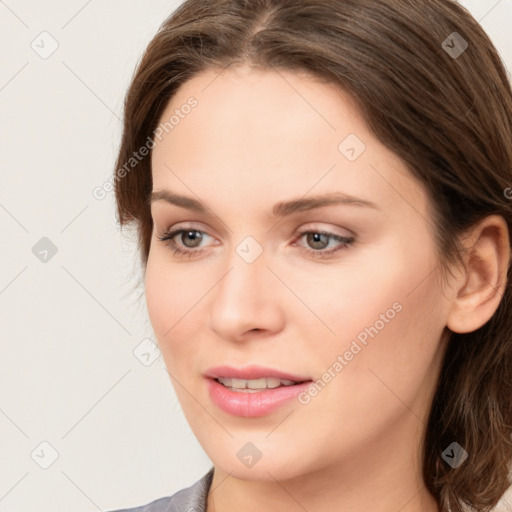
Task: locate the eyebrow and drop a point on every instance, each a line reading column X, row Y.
column 281, row 209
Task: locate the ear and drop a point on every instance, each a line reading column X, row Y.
column 482, row 282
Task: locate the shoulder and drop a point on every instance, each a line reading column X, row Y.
column 191, row 498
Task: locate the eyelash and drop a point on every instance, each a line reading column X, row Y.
column 168, row 239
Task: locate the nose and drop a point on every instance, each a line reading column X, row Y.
column 247, row 299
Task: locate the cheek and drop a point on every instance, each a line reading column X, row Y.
column 173, row 301
column 158, row 298
column 389, row 291
column 388, row 320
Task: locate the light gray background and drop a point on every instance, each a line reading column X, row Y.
column 69, row 326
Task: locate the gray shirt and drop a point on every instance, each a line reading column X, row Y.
column 191, row 499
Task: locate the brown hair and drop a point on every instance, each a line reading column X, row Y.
column 447, row 116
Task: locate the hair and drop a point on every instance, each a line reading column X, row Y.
column 448, row 117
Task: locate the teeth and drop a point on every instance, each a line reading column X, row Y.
column 263, row 383
column 255, row 384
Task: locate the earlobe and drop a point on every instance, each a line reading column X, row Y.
column 482, row 283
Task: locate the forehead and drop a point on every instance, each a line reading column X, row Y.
column 265, row 132
column 263, row 106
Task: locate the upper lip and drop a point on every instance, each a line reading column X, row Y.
column 252, row 372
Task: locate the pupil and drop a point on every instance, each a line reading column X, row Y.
column 316, row 237
column 193, row 235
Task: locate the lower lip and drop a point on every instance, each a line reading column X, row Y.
column 251, row 405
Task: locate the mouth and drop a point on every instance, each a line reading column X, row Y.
column 253, row 391
column 256, row 385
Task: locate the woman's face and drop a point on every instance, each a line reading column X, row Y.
column 258, row 284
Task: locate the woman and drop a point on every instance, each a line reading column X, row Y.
column 322, row 195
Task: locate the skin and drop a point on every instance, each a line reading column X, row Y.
column 257, row 138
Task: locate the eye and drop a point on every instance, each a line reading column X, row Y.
column 319, row 240
column 190, row 240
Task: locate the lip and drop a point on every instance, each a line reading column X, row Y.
column 251, row 372
column 251, row 405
